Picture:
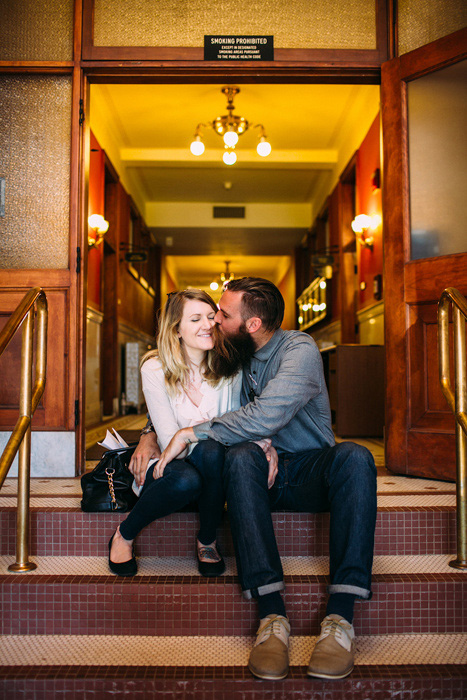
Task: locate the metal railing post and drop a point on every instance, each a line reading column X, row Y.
column 24, row 461
column 461, row 439
column 20, row 439
column 457, row 401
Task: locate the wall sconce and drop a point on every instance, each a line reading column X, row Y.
column 99, row 226
column 361, row 225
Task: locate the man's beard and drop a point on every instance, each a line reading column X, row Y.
column 243, row 344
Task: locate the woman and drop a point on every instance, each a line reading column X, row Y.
column 191, row 378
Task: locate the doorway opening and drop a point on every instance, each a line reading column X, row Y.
column 162, row 205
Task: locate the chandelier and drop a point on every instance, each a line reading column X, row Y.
column 230, row 126
column 224, row 278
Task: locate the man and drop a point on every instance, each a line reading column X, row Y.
column 284, row 398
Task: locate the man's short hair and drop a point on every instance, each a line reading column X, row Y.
column 261, row 298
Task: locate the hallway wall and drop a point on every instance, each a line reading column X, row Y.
column 130, row 293
column 327, row 233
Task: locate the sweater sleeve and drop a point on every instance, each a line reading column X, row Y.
column 158, row 403
column 298, row 380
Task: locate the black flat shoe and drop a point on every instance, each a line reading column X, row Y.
column 215, row 568
column 124, row 568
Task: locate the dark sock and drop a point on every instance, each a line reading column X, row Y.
column 271, row 604
column 341, row 604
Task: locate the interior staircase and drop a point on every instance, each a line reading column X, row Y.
column 73, row 630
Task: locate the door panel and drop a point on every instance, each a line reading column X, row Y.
column 428, row 407
column 52, row 410
column 420, row 436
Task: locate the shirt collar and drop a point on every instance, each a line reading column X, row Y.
column 264, row 353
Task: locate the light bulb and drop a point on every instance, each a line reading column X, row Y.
column 229, row 157
column 264, row 147
column 230, row 139
column 214, row 286
column 197, row 146
column 361, row 222
column 98, row 223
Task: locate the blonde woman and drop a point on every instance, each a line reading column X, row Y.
column 191, row 378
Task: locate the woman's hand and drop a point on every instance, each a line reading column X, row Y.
column 176, row 446
column 147, row 449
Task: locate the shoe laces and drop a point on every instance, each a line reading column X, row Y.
column 341, row 630
column 277, row 626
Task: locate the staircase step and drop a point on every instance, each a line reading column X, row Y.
column 58, row 666
column 415, row 516
column 427, row 526
column 386, row 484
column 202, row 651
column 386, row 566
column 77, row 595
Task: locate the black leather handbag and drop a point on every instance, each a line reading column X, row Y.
column 108, row 487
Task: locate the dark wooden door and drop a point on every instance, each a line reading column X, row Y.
column 419, row 426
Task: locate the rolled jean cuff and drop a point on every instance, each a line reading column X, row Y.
column 263, row 590
column 353, row 590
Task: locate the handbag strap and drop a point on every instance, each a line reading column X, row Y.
column 110, row 471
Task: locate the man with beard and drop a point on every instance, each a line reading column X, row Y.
column 284, row 397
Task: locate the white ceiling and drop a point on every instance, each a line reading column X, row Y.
column 146, row 131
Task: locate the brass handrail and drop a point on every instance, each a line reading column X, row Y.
column 457, row 402
column 34, row 300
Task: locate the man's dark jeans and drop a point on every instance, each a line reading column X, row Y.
column 340, row 479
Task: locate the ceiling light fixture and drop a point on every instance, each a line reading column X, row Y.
column 223, row 278
column 230, row 126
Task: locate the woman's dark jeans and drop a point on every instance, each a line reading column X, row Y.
column 196, row 478
column 339, row 479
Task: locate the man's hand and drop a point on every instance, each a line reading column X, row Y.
column 271, row 456
column 273, row 459
column 147, row 449
column 174, row 449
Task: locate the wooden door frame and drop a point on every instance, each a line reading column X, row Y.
column 347, row 252
column 182, row 58
column 178, row 65
column 396, row 74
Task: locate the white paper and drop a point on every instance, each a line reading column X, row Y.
column 113, row 443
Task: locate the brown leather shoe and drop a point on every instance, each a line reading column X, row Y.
column 269, row 658
column 333, row 655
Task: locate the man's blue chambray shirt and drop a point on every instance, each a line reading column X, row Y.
column 291, row 403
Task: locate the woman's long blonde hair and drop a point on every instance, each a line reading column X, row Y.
column 220, row 362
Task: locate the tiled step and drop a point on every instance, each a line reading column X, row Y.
column 209, row 667
column 168, row 597
column 416, row 516
column 63, row 530
column 386, row 484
